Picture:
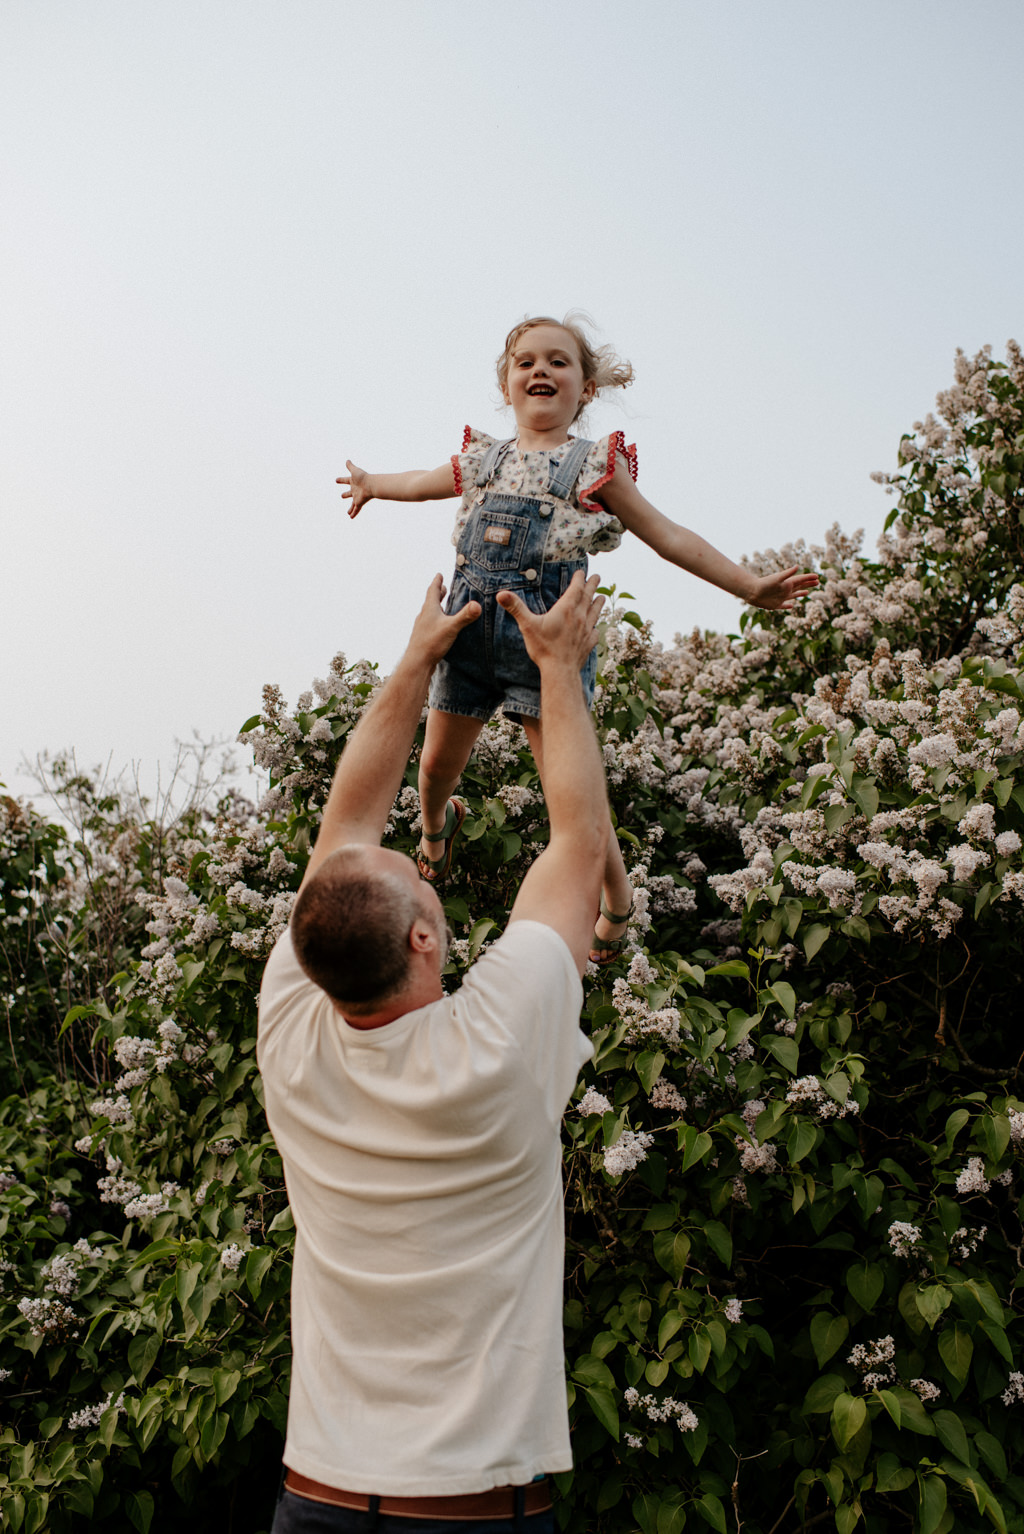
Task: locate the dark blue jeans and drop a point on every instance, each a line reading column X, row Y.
column 298, row 1515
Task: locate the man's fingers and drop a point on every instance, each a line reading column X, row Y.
column 467, row 615
column 514, row 605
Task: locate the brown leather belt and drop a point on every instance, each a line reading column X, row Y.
column 497, row 1503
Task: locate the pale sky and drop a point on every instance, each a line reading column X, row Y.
column 242, row 241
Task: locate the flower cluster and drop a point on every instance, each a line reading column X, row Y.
column 668, row 1409
column 875, row 1361
column 628, row 1151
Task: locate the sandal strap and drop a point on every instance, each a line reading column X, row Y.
column 611, row 916
column 450, row 814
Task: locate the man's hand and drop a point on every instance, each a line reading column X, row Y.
column 783, row 588
column 567, row 632
column 359, row 491
column 434, row 631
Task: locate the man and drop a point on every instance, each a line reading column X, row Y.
column 420, row 1132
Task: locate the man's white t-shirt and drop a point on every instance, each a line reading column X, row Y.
column 423, row 1167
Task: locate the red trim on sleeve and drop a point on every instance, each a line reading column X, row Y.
column 616, row 444
column 465, row 437
column 457, row 472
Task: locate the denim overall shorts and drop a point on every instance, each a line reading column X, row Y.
column 502, row 549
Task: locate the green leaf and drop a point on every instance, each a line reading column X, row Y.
column 711, row 1510
column 991, row 1451
column 865, row 1282
column 931, row 1300
column 648, row 1067
column 931, row 1503
column 837, row 815
column 814, row 938
column 785, row 995
column 142, row 1353
column 828, row 1333
column 802, row 1138
column 890, row 1475
column 730, row 967
column 950, row 1433
column 955, row 1350
column 140, row 1509
column 865, row 796
column 720, row 1241
column 849, row 1414
column 786, row 1051
column 257, row 1261
column 821, row 1395
column 956, row 1121
column 672, row 1251
column 603, row 1405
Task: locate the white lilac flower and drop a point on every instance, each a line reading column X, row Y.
column 1006, row 843
column 61, row 1209
column 926, row 1390
column 231, row 1257
column 90, row 1253
column 594, row 1101
column 875, row 1360
column 91, row 1416
column 46, row 1316
column 61, row 1275
column 666, row 1095
column 628, row 1151
column 965, row 861
column 903, row 1237
column 633, row 1441
column 979, row 823
column 1015, row 1389
column 8, row 1180
column 146, row 1206
column 733, row 1310
column 972, row 1179
column 1016, row 1126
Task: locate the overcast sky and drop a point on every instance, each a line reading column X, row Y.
column 242, row 242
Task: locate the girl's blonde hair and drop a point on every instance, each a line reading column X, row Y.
column 600, row 363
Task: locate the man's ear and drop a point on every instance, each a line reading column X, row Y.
column 422, row 937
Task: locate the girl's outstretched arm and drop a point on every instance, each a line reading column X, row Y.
column 691, row 552
column 416, row 485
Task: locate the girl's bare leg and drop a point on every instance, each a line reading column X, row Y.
column 447, row 745
column 616, row 889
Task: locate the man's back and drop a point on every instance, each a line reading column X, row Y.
column 424, row 1173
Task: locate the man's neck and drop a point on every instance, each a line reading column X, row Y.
column 410, row 1000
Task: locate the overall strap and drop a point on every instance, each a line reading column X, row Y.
column 565, row 474
column 490, row 461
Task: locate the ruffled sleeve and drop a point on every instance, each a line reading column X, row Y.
column 466, row 465
column 599, row 467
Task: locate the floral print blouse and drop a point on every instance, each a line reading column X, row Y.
column 579, row 526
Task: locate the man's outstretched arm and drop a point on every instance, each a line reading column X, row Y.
column 563, row 887
column 374, row 761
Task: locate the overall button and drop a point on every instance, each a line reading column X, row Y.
column 531, row 575
column 460, row 559
column 545, row 511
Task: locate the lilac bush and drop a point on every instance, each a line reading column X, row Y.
column 793, row 1215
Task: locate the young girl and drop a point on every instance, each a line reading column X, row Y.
column 533, row 508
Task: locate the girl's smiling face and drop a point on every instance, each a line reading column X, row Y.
column 545, row 385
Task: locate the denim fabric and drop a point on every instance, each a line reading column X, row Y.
column 488, row 664
column 298, row 1515
column 502, row 549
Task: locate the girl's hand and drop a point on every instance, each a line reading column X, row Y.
column 359, row 491
column 783, row 588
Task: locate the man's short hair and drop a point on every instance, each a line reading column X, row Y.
column 350, row 929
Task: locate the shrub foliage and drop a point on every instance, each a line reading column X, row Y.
column 793, row 1221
